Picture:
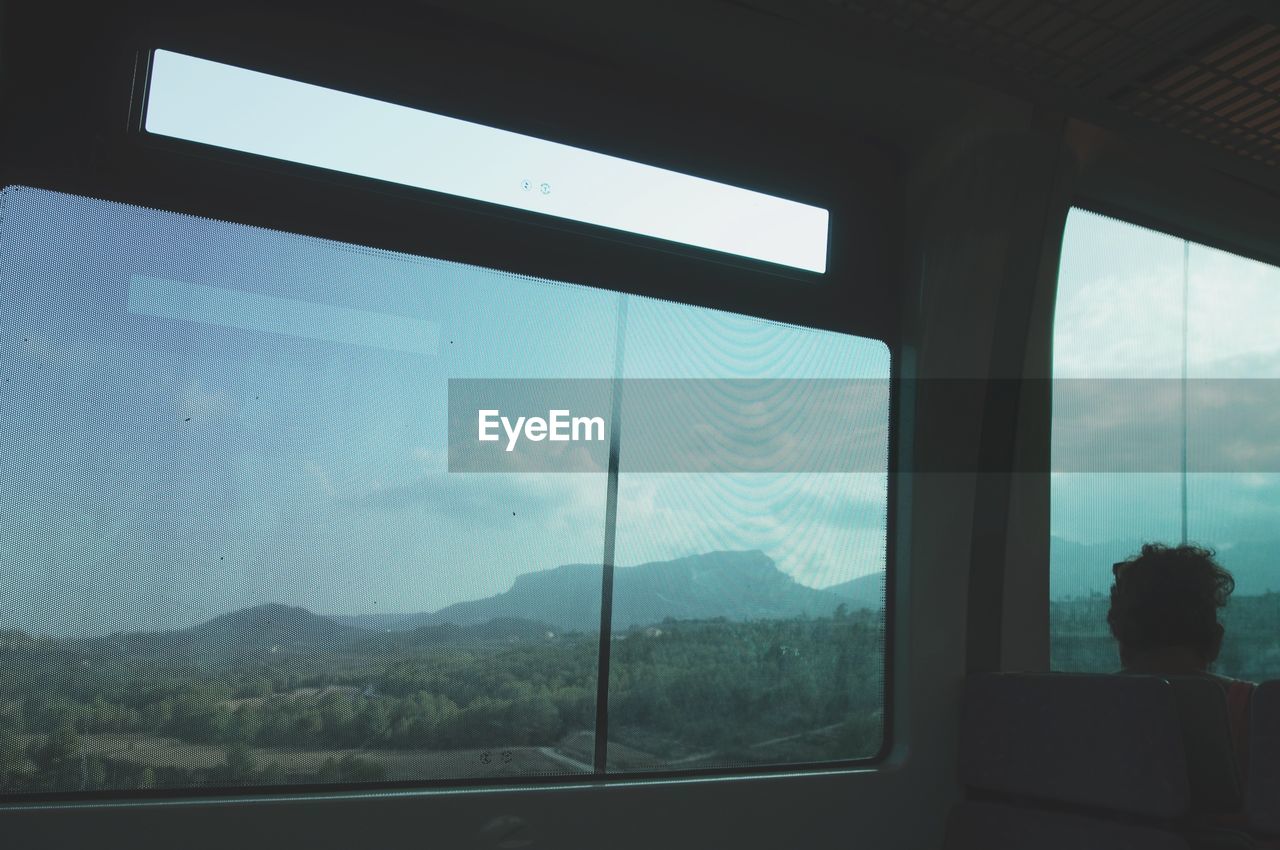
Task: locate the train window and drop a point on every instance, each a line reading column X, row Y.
column 227, row 508
column 236, row 554
column 221, row 105
column 782, row 658
column 1164, row 402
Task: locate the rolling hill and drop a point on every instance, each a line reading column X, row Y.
column 744, row 585
column 259, row 630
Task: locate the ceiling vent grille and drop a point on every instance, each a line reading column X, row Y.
column 1196, row 67
column 1227, row 93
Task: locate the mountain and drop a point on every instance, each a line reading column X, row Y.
column 375, row 622
column 1255, row 564
column 734, row 585
column 539, row 605
column 862, row 592
column 262, row 629
column 1082, row 569
column 497, row 630
column 273, row 625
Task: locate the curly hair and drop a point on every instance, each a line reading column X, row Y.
column 1169, row 596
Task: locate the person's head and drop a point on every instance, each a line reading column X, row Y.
column 1164, row 605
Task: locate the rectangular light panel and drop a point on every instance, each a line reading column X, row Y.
column 228, row 107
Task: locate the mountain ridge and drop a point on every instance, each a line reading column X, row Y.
column 736, row 585
column 733, row 585
column 1083, row 569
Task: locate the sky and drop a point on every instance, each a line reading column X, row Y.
column 1119, row 314
column 208, row 416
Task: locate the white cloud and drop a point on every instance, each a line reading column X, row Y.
column 321, row 477
column 820, row 528
column 202, row 405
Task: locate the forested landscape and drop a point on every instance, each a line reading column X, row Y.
column 276, row 694
column 1081, row 642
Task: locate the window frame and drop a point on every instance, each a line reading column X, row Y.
column 222, row 181
column 1160, row 211
column 768, row 288
column 141, row 104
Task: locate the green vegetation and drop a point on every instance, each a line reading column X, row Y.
column 1081, row 642
column 87, row 715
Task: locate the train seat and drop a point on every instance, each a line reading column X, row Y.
column 1263, row 803
column 1058, row 760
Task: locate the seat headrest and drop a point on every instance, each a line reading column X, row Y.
column 1105, row 741
column 1264, row 759
column 1206, row 739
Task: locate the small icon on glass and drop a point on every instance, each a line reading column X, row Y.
column 526, row 185
column 546, row 188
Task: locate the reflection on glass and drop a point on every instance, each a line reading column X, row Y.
column 748, row 608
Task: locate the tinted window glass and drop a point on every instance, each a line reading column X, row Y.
column 1185, row 332
column 236, row 554
column 232, row 542
column 775, row 650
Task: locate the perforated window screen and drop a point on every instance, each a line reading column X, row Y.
column 235, row 554
column 1165, row 365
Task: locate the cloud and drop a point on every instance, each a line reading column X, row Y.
column 820, row 528
column 203, row 405
column 1221, row 507
column 321, row 477
column 555, row 500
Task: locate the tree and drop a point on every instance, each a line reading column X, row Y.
column 240, row 765
column 244, row 726
column 534, row 721
column 354, row 769
column 12, row 758
column 11, row 716
column 328, row 770
column 350, row 768
column 373, row 723
column 59, row 757
column 95, row 774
